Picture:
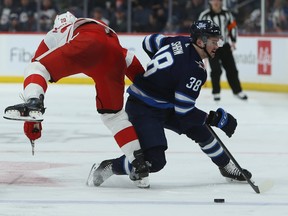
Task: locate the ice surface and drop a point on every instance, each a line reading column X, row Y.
column 53, row 181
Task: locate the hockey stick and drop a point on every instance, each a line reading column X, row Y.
column 255, row 187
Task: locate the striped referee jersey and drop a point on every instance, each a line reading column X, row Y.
column 225, row 20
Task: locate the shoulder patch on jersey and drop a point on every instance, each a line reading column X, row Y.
column 201, row 64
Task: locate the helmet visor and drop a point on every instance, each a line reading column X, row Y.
column 215, row 41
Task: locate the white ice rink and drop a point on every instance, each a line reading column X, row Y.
column 52, row 182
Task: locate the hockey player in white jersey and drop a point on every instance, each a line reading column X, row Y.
column 83, row 45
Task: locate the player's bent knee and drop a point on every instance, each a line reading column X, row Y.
column 157, row 165
column 156, row 158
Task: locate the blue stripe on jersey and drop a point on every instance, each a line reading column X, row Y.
column 152, row 43
column 183, row 103
column 146, row 43
column 136, row 92
column 182, row 110
column 213, row 149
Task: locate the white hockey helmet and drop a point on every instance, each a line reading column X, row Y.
column 64, row 19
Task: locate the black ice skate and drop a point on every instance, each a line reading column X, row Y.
column 100, row 174
column 32, row 110
column 232, row 173
column 140, row 171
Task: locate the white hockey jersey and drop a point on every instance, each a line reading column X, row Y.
column 58, row 36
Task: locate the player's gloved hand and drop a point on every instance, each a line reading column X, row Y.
column 33, row 130
column 222, row 120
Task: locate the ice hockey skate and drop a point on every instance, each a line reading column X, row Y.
column 100, row 174
column 31, row 111
column 232, row 173
column 140, row 182
column 140, row 171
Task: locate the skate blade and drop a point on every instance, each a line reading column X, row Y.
column 26, row 118
column 90, row 179
column 35, row 118
column 230, row 180
column 142, row 183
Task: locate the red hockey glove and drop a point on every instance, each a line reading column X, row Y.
column 33, row 130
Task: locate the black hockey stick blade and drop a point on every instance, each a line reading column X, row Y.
column 255, row 187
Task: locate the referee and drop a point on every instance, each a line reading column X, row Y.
column 224, row 56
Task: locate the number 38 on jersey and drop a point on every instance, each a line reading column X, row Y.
column 194, row 84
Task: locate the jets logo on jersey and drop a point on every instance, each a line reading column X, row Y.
column 201, row 64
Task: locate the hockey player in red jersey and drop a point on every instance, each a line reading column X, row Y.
column 83, row 45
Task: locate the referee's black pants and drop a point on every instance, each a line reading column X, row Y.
column 224, row 57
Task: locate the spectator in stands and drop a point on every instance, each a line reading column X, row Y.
column 5, row 11
column 285, row 10
column 13, row 22
column 97, row 14
column 158, row 19
column 120, row 5
column 75, row 5
column 26, row 12
column 253, row 23
column 119, row 21
column 285, row 7
column 177, row 16
column 102, row 4
column 47, row 15
column 193, row 9
column 279, row 19
column 107, row 7
column 184, row 25
column 75, row 10
column 140, row 16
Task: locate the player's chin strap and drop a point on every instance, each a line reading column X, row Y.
column 205, row 50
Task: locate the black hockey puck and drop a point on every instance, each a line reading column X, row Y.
column 219, row 200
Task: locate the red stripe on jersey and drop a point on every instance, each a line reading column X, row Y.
column 134, row 69
column 37, row 79
column 42, row 48
column 125, row 136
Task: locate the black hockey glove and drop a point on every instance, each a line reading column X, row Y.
column 222, row 120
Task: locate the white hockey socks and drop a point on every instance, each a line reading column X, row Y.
column 123, row 132
column 36, row 77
